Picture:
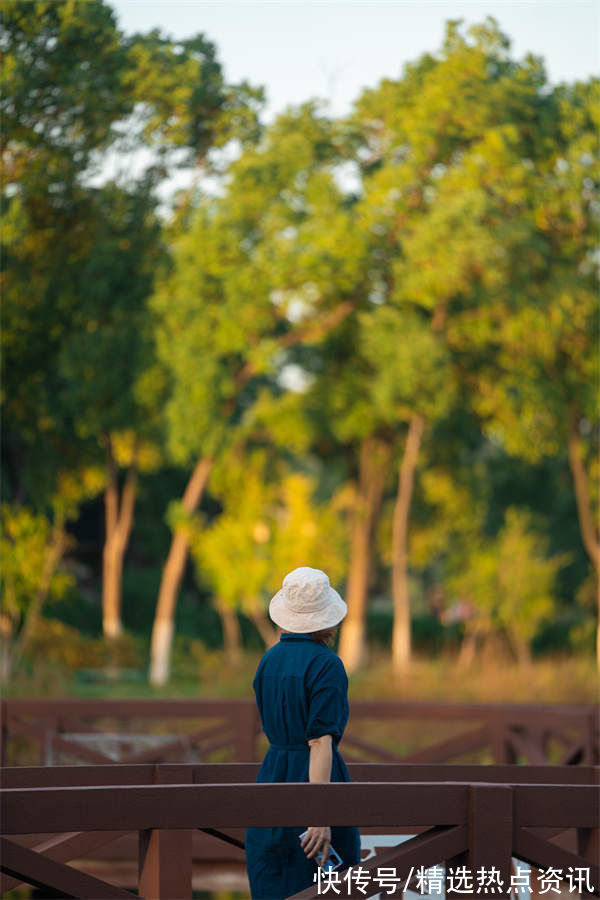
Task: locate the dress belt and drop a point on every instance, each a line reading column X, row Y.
column 290, row 746
column 294, row 747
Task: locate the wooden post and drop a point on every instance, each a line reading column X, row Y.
column 3, row 744
column 588, row 839
column 502, row 750
column 591, row 753
column 165, row 864
column 246, row 728
column 165, row 855
column 47, row 742
column 490, row 842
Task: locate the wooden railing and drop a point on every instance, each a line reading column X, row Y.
column 474, row 816
column 139, row 731
column 81, row 730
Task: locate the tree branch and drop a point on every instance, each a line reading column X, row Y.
column 309, row 334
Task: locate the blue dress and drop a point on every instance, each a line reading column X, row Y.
column 301, row 691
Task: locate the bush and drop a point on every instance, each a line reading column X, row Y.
column 60, row 644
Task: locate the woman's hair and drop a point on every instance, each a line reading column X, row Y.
column 324, row 634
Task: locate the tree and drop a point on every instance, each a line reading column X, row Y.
column 62, row 70
column 412, row 380
column 253, row 279
column 508, row 582
column 536, row 346
column 79, row 261
column 102, row 358
column 447, row 154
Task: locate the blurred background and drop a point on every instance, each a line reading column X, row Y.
column 290, row 285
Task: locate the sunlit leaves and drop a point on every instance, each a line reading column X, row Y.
column 509, row 581
column 410, row 369
column 25, row 542
column 268, row 526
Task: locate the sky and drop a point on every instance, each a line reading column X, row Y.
column 332, row 49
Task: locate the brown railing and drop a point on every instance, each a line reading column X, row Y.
column 90, row 731
column 139, row 731
column 474, row 816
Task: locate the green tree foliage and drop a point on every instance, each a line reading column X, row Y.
column 508, row 582
column 73, row 85
column 32, row 546
column 63, row 68
column 79, row 261
column 179, row 102
column 270, row 524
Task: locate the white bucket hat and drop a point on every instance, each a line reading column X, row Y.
column 306, row 602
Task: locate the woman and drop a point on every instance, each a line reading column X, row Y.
column 301, row 692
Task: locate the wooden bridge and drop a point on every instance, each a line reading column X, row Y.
column 165, row 828
column 474, row 816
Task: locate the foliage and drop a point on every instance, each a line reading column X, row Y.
column 32, row 546
column 79, row 261
column 269, row 525
column 508, row 581
column 59, row 644
column 24, row 545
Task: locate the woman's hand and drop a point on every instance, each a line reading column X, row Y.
column 317, row 840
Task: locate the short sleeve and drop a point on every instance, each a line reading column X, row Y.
column 328, row 701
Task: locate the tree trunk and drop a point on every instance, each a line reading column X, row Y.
column 118, row 522
column 232, row 636
column 374, row 460
column 6, row 632
column 162, row 630
column 264, row 627
column 523, row 652
column 401, row 638
column 589, row 532
column 468, row 648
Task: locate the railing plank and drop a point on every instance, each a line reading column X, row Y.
column 63, row 847
column 454, row 746
column 537, row 851
column 526, row 745
column 554, row 806
column 55, row 878
column 132, row 807
column 232, row 772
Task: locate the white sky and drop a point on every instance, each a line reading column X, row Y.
column 332, row 49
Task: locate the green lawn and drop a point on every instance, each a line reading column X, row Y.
column 560, row 678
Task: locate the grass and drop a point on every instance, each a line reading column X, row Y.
column 559, row 678
column 491, row 678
